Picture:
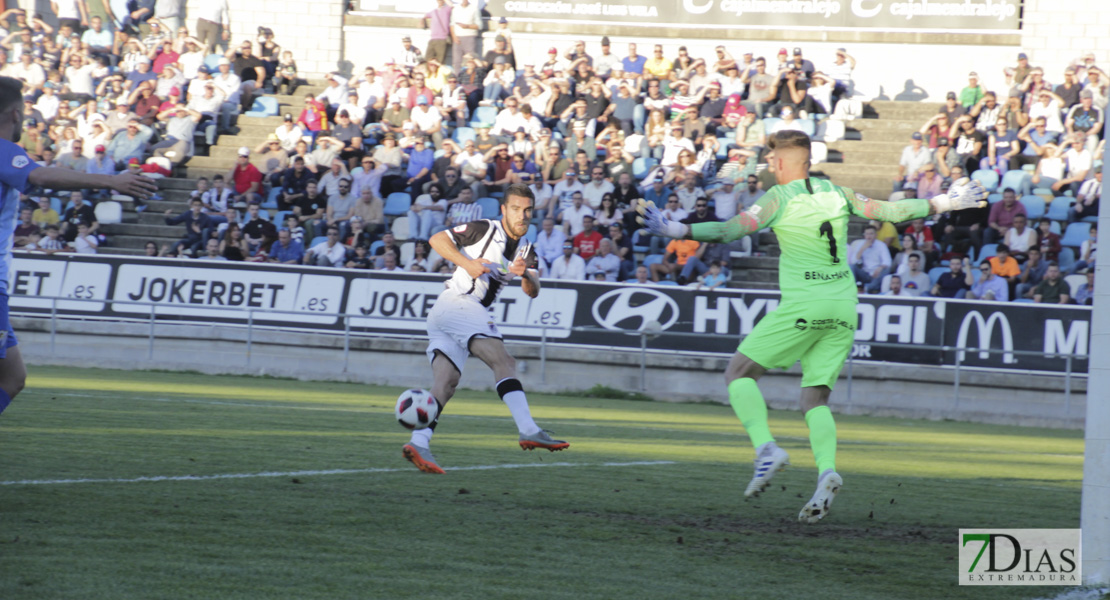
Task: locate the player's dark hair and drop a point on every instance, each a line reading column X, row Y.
column 784, row 140
column 11, row 93
column 518, row 189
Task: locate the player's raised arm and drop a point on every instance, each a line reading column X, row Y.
column 759, row 216
column 445, row 245
column 965, row 193
column 529, row 277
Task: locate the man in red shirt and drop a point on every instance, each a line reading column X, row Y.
column 246, row 178
column 588, row 240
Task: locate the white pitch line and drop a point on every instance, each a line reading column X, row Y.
column 157, row 478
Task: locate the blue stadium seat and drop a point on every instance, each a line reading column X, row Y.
column 279, row 219
column 1093, row 219
column 1066, row 260
column 809, row 126
column 484, row 115
column 316, row 241
column 374, row 247
column 1016, row 180
column 56, row 204
column 1058, row 210
column 987, row 177
column 996, row 197
column 665, row 282
column 636, row 245
column 1054, row 227
column 212, row 61
column 462, row 134
column 769, row 123
column 1034, row 206
column 491, row 208
column 1076, row 234
column 642, row 166
column 397, row 204
column 271, row 198
column 264, row 106
column 532, row 233
column 987, row 251
column 935, row 273
column 652, row 259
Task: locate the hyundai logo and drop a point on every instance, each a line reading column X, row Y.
column 631, row 308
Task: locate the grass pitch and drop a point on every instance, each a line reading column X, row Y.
column 327, row 508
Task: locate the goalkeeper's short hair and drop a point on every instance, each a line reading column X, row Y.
column 783, row 140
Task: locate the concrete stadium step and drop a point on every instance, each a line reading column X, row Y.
column 752, row 285
column 177, row 183
column 128, row 242
column 123, row 251
column 160, row 231
column 887, row 109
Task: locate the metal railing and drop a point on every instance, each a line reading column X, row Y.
column 252, row 323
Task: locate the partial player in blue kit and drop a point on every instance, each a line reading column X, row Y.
column 19, row 173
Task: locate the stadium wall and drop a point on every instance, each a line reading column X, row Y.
column 879, row 389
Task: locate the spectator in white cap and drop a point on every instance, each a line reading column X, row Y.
column 230, row 84
column 245, row 178
column 971, row 94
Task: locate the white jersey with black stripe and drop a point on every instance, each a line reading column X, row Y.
column 486, row 238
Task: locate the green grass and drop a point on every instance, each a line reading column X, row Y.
column 664, row 531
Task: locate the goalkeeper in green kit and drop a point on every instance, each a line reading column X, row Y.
column 816, row 319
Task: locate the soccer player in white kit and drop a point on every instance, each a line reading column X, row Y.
column 488, row 254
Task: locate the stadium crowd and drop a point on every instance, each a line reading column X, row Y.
column 426, row 140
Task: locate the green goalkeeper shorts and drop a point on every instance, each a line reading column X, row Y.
column 820, row 334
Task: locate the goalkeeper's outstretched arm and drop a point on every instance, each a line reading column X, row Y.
column 964, row 193
column 749, row 221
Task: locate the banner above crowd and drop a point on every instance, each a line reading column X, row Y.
column 1019, row 337
column 887, row 15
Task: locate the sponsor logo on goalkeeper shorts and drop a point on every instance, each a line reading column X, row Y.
column 1020, row 557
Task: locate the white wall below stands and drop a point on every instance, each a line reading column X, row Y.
column 880, row 389
column 884, row 71
column 312, row 29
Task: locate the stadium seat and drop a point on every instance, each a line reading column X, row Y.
column 264, row 106
column 1034, row 206
column 1054, row 227
column 212, row 61
column 1076, row 234
column 400, row 228
column 935, row 273
column 491, row 208
column 641, row 166
column 987, row 177
column 485, row 115
column 1066, row 260
column 666, row 282
column 652, row 259
column 1025, row 300
column 316, row 241
column 1016, row 180
column 996, row 197
column 769, row 124
column 462, row 134
column 56, row 204
column 1093, row 219
column 374, row 247
column 397, row 204
column 279, row 218
column 636, row 245
column 1058, row 210
column 408, row 250
column 532, row 233
column 809, row 126
column 108, row 212
column 1074, row 281
column 987, row 251
column 271, row 198
column 819, row 153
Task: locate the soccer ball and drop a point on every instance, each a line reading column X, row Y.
column 416, row 409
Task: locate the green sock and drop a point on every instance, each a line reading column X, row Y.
column 822, row 437
column 748, row 403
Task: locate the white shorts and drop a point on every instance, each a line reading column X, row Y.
column 454, row 320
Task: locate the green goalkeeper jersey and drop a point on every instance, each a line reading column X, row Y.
column 810, row 219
